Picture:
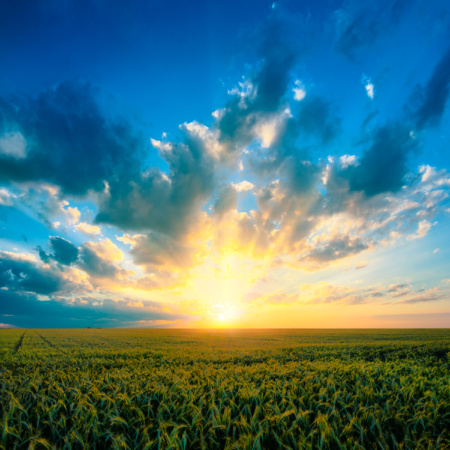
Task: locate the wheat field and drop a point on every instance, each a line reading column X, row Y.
column 231, row 389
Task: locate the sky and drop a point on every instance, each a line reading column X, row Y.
column 215, row 164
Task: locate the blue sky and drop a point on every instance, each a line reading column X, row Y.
column 219, row 164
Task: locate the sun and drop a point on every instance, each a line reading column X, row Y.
column 219, row 286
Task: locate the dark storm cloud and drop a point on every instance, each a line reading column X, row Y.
column 435, row 94
column 361, row 23
column 19, row 274
column 27, row 311
column 69, row 142
column 383, row 166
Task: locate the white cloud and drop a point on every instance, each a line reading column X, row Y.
column 422, row 230
column 87, row 229
column 13, row 144
column 244, row 89
column 243, row 186
column 105, row 249
column 72, row 215
column 161, row 145
column 348, row 160
column 209, row 137
column 368, row 85
column 267, row 132
column 432, row 176
column 218, row 113
column 130, row 240
column 6, row 197
column 299, row 91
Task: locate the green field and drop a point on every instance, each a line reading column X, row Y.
column 212, row 389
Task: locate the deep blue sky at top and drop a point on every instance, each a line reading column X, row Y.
column 163, row 60
column 169, row 62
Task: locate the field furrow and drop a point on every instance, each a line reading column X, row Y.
column 50, row 344
column 19, row 343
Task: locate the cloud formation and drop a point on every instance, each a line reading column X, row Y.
column 61, row 130
column 297, row 171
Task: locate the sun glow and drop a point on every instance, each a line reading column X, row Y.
column 218, row 287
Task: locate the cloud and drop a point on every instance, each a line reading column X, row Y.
column 79, row 312
column 88, row 229
column 315, row 118
column 159, row 250
column 44, row 202
column 281, row 298
column 244, row 186
column 315, row 200
column 369, row 86
column 262, row 94
column 325, row 293
column 338, row 248
column 435, row 94
column 6, row 198
column 69, row 141
column 64, row 251
column 383, row 166
column 100, row 260
column 167, row 204
column 105, row 249
column 299, row 91
column 348, row 160
column 91, row 264
column 397, row 287
column 226, row 199
column 13, row 145
column 422, row 230
column 359, row 24
column 430, row 295
column 95, row 265
column 21, row 273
